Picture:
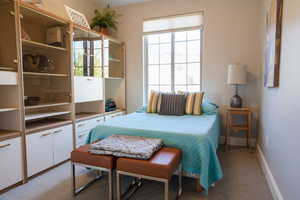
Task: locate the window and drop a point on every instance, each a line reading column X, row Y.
column 88, row 58
column 173, row 61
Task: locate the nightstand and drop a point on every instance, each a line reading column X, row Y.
column 230, row 126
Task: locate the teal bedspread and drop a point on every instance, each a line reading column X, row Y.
column 196, row 136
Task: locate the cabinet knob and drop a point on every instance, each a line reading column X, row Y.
column 3, row 146
column 16, row 61
column 12, row 13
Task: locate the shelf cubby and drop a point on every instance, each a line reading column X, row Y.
column 45, row 124
column 35, row 22
column 8, row 44
column 8, row 134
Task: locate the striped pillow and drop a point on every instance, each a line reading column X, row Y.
column 153, row 102
column 193, row 102
column 197, row 103
column 172, row 104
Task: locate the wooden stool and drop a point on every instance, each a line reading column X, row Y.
column 82, row 157
column 160, row 168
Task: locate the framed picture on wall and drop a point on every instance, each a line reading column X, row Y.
column 273, row 43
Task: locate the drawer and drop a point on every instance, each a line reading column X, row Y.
column 11, row 162
column 83, row 125
column 8, row 78
column 88, row 89
column 113, row 115
column 96, row 121
column 81, row 138
column 39, row 149
column 88, row 124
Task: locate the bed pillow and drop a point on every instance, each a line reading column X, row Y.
column 142, row 109
column 153, row 102
column 172, row 104
column 209, row 108
column 193, row 102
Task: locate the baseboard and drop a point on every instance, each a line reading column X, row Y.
column 269, row 176
column 235, row 141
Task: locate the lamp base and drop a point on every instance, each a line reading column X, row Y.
column 236, row 101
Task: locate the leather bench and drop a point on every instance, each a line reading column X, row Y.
column 82, row 157
column 160, row 167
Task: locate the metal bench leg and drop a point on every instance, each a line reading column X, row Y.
column 118, row 186
column 166, row 189
column 73, row 179
column 110, row 185
column 179, row 181
column 79, row 190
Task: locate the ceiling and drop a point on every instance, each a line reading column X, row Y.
column 114, row 3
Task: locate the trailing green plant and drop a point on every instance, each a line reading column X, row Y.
column 107, row 18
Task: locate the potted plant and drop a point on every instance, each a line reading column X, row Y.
column 105, row 20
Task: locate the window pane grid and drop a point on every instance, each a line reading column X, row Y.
column 173, row 61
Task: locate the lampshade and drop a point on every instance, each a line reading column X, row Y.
column 237, row 75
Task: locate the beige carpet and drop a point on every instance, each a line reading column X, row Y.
column 243, row 180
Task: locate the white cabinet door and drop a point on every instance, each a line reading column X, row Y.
column 39, row 151
column 88, row 89
column 11, row 162
column 63, row 143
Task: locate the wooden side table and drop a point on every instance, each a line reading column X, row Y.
column 230, row 126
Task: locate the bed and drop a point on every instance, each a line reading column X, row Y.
column 196, row 136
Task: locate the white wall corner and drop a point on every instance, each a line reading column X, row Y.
column 268, row 174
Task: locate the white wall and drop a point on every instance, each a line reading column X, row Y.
column 232, row 34
column 280, row 134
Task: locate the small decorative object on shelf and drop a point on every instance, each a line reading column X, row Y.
column 77, row 17
column 105, row 20
column 31, row 62
column 110, row 105
column 31, row 101
column 55, row 36
column 25, row 35
column 37, row 63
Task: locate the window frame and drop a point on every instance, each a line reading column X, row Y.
column 146, row 63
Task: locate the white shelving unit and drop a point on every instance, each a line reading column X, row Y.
column 57, row 110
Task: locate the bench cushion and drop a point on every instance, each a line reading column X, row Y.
column 82, row 155
column 161, row 165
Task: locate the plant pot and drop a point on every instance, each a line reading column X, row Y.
column 104, row 31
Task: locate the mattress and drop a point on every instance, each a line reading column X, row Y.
column 196, row 136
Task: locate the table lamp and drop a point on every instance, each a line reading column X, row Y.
column 237, row 75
